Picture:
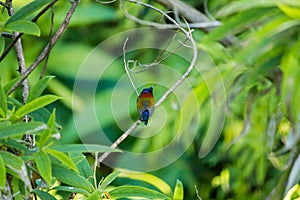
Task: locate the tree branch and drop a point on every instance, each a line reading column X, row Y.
column 10, row 46
column 45, row 51
column 163, row 98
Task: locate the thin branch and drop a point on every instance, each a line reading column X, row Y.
column 11, row 45
column 20, row 55
column 50, row 36
column 197, row 193
column 126, row 66
column 54, row 39
column 119, row 140
column 162, row 99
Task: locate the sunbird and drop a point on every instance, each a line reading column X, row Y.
column 145, row 104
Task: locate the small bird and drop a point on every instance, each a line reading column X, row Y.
column 145, row 104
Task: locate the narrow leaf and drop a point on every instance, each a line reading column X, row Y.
column 28, row 10
column 23, row 26
column 38, row 88
column 82, row 165
column 148, row 178
column 2, row 173
column 294, row 176
column 95, row 195
column 72, row 190
column 84, row 148
column 10, row 84
column 71, row 178
column 35, row 104
column 43, row 164
column 108, row 179
column 16, row 165
column 63, row 158
column 47, row 133
column 2, row 45
column 44, row 195
column 178, row 192
column 22, row 128
column 136, row 191
column 3, row 102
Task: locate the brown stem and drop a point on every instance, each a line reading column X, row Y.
column 45, row 51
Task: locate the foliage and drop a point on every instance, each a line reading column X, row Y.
column 254, row 54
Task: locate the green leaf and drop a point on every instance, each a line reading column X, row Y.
column 108, row 179
column 2, row 45
column 240, row 6
column 71, row 178
column 3, row 102
column 63, row 158
column 44, row 195
column 290, row 11
column 84, row 148
column 148, row 178
column 95, row 195
column 71, row 189
column 35, row 104
column 234, row 24
column 2, row 173
column 28, row 10
column 43, row 164
column 23, row 26
column 22, row 128
column 47, row 132
column 16, row 165
column 178, row 192
column 10, row 84
column 83, row 166
column 136, row 191
column 38, row 88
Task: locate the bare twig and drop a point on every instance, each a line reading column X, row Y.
column 45, row 51
column 50, row 36
column 190, row 68
column 126, row 66
column 20, row 55
column 120, row 139
column 197, row 193
column 11, row 45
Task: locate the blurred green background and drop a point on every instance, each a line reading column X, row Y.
column 259, row 71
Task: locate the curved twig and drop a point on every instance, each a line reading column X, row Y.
column 164, row 96
column 45, row 51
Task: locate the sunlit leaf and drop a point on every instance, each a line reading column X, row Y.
column 23, row 26
column 43, row 164
column 35, row 104
column 178, row 192
column 292, row 12
column 28, row 10
column 148, row 178
column 136, row 191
